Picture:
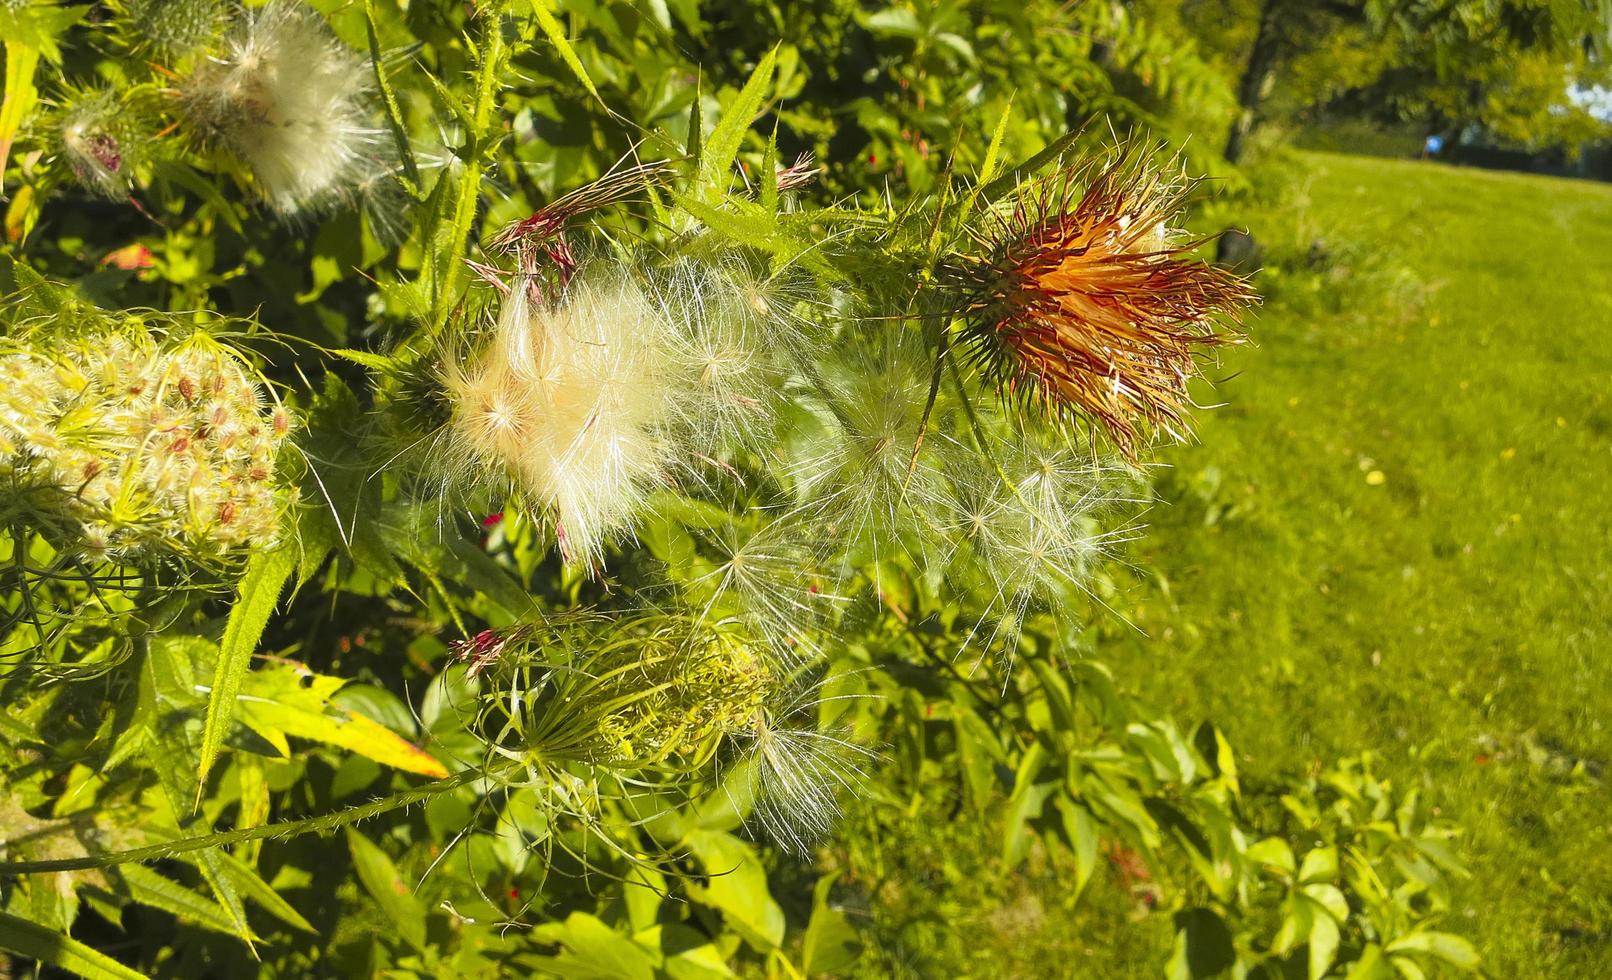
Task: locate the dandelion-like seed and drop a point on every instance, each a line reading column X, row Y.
column 1083, row 301
column 857, row 483
column 733, row 335
column 765, row 578
column 292, row 102
column 798, row 768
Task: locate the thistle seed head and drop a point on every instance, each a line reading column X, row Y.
column 292, row 102
column 1081, row 301
column 568, row 401
column 626, row 382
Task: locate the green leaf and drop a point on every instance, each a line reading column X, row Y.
column 1450, row 948
column 403, row 910
column 1320, row 865
column 1324, row 938
column 1330, row 898
column 1203, row 946
column 737, row 887
column 1025, row 168
column 35, row 942
column 1372, row 965
column 168, row 751
column 394, row 117
column 259, row 593
column 1024, row 806
column 20, row 94
column 831, row 945
column 722, row 148
column 245, row 878
column 1273, row 852
column 594, row 951
column 989, row 165
column 1080, row 827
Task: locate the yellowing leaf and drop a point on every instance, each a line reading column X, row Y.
column 291, row 700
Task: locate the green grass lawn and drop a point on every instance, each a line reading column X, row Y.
column 1394, row 535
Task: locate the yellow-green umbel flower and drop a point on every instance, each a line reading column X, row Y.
column 630, row 693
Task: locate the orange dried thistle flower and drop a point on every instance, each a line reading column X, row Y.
column 1083, row 302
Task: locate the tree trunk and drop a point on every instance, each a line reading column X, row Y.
column 1257, row 75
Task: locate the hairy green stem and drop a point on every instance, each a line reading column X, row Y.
column 277, row 831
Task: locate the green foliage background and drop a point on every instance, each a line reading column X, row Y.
column 1041, row 773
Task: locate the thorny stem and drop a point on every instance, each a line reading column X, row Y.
column 323, row 824
column 464, row 209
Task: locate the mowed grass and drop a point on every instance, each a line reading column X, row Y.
column 1394, row 535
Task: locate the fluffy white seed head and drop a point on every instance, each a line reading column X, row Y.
column 570, row 401
column 628, row 382
column 292, row 102
column 857, row 474
column 798, row 769
column 1033, row 525
column 767, row 578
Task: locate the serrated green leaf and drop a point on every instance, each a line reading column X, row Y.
column 556, row 35
column 252, row 886
column 394, row 117
column 34, row 942
column 259, row 593
column 722, row 148
column 149, row 888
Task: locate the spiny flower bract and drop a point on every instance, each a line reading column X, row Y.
column 99, row 138
column 169, row 30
